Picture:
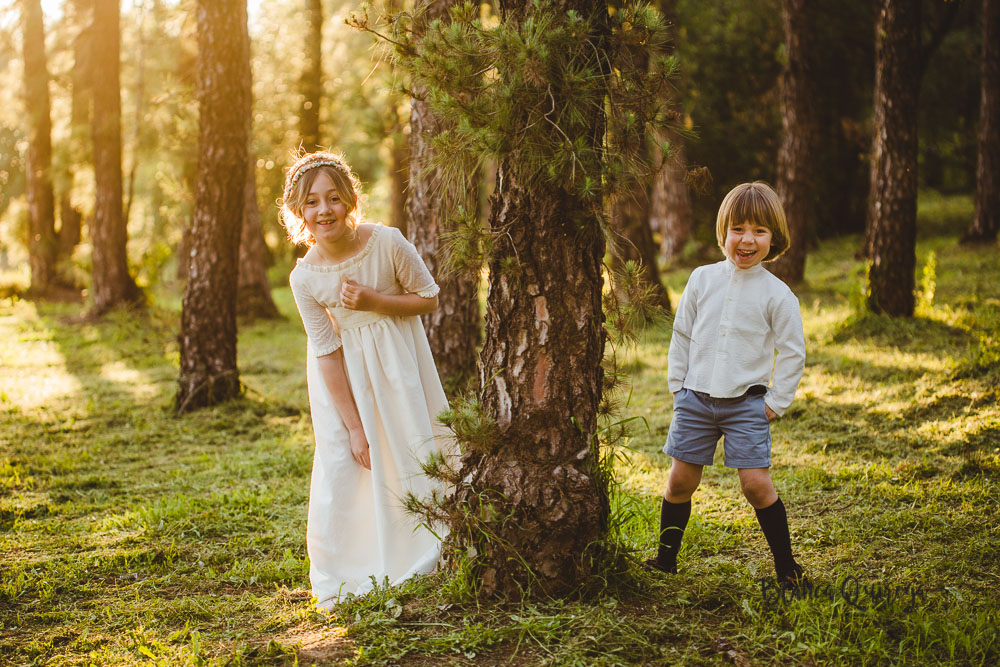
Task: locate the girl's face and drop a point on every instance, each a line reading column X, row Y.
column 747, row 244
column 324, row 213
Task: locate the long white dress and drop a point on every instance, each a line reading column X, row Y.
column 357, row 528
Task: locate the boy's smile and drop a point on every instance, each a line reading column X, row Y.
column 747, row 244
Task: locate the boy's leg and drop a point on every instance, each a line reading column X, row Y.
column 675, row 510
column 758, row 489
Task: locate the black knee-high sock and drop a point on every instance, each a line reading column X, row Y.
column 673, row 520
column 774, row 522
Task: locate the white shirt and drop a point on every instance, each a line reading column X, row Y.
column 729, row 325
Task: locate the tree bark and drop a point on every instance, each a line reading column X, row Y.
column 399, row 178
column 986, row 221
column 539, row 487
column 800, row 138
column 311, row 82
column 42, row 242
column 208, row 321
column 253, row 299
column 670, row 202
column 112, row 284
column 892, row 210
column 453, row 329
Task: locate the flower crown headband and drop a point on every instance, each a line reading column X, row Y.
column 311, row 163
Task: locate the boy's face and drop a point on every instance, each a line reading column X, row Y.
column 747, row 244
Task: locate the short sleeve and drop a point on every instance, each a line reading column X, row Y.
column 316, row 320
column 411, row 272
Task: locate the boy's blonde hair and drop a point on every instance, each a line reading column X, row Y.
column 757, row 204
column 299, row 180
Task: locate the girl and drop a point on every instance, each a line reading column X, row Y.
column 373, row 389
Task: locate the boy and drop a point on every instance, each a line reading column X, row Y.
column 733, row 317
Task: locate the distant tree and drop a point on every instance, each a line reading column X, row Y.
column 800, row 139
column 670, row 201
column 112, row 283
column 254, row 299
column 208, row 373
column 453, row 329
column 311, row 81
column 42, row 241
column 986, row 221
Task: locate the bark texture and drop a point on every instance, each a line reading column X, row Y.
column 800, row 139
column 892, row 209
column 453, row 329
column 311, row 82
column 986, row 221
column 112, row 284
column 42, row 242
column 538, row 488
column 208, row 321
column 254, row 291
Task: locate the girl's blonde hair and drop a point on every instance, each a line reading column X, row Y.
column 299, row 180
column 757, row 204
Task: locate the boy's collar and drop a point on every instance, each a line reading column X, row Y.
column 731, row 266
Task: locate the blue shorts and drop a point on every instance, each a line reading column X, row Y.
column 700, row 420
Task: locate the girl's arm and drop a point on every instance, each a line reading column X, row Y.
column 361, row 297
column 331, row 367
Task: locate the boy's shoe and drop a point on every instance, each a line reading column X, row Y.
column 793, row 578
column 657, row 566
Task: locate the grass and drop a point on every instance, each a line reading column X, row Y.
column 131, row 536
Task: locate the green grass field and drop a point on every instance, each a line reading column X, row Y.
column 129, row 535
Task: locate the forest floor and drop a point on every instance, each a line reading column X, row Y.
column 129, row 535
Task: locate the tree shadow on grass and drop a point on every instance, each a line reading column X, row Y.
column 916, row 334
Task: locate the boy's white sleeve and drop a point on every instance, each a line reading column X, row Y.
column 316, row 320
column 680, row 340
column 790, row 344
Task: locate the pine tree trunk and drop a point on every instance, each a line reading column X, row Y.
column 892, row 209
column 670, row 201
column 986, row 221
column 42, row 242
column 538, row 488
column 112, row 284
column 311, row 83
column 453, row 329
column 254, row 291
column 800, row 138
column 208, row 321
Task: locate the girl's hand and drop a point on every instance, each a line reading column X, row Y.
column 359, row 449
column 771, row 414
column 357, row 297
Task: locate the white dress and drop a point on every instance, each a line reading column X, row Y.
column 357, row 526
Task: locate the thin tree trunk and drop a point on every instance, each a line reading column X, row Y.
column 892, row 210
column 986, row 221
column 670, row 202
column 140, row 93
column 112, row 284
column 42, row 242
column 539, row 488
column 311, row 82
column 208, row 321
column 633, row 241
column 399, row 178
column 254, row 291
column 453, row 329
column 71, row 218
column 800, row 138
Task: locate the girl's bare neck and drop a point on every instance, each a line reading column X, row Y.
column 325, row 254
